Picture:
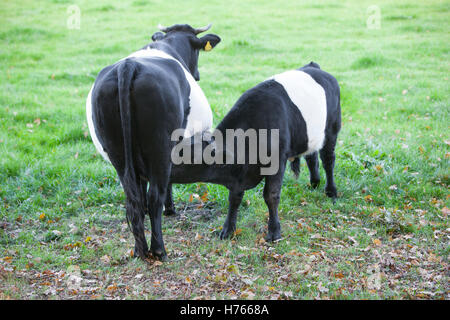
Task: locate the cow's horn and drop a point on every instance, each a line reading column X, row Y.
column 162, row 28
column 203, row 29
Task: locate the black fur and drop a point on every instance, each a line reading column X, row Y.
column 295, row 166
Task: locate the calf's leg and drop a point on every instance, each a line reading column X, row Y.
column 234, row 199
column 328, row 158
column 272, row 191
column 312, row 160
column 169, row 209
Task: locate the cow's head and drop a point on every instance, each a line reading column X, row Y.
column 181, row 41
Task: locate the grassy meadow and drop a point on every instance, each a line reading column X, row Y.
column 63, row 232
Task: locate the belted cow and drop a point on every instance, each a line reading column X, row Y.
column 132, row 110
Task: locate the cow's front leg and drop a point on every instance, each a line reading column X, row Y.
column 169, row 209
column 234, row 199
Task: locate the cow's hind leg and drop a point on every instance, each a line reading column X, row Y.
column 328, row 158
column 157, row 196
column 136, row 218
column 312, row 160
column 135, row 210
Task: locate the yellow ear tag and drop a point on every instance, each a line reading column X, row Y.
column 208, row 46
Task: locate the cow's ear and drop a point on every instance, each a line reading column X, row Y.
column 208, row 42
column 157, row 36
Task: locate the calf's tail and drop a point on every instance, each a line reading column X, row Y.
column 295, row 166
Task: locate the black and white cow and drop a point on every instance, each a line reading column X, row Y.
column 132, row 110
column 304, row 105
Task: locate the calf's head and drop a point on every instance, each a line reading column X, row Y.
column 182, row 42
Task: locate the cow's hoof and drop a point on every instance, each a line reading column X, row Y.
column 331, row 192
column 163, row 258
column 273, row 236
column 315, row 184
column 226, row 233
column 170, row 212
column 161, row 255
column 140, row 252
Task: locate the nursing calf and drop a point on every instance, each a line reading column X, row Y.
column 301, row 109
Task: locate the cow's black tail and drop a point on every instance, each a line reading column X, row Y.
column 133, row 191
column 295, row 166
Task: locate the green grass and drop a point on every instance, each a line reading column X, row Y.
column 62, row 208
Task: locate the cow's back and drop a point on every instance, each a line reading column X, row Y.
column 159, row 95
column 162, row 85
column 199, row 116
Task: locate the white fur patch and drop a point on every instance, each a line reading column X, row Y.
column 310, row 99
column 90, row 121
column 200, row 115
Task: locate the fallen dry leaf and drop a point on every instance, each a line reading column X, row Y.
column 105, row 259
column 237, row 232
column 198, row 236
